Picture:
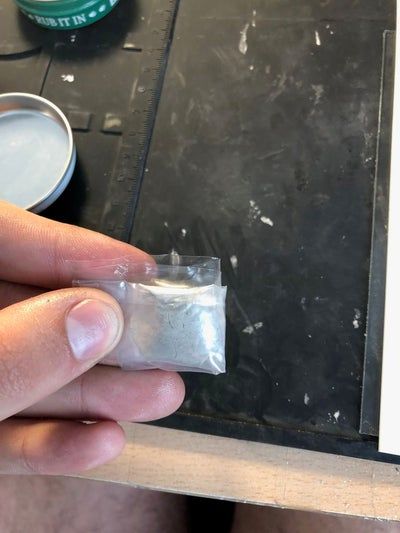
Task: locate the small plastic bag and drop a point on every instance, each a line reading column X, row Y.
column 174, row 311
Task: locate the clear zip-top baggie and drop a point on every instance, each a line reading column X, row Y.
column 174, row 311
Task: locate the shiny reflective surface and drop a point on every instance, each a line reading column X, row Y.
column 37, row 153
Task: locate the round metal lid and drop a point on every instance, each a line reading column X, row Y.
column 37, row 153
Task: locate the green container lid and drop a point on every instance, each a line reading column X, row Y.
column 65, row 14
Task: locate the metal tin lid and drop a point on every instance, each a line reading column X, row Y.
column 65, row 14
column 37, row 152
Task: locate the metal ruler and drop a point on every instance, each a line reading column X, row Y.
column 153, row 45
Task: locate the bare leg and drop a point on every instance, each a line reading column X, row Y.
column 66, row 505
column 266, row 519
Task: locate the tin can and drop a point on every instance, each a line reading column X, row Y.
column 65, row 14
column 37, row 151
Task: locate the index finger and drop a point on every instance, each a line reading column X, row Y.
column 36, row 251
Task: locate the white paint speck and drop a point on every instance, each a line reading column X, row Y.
column 356, row 320
column 174, row 118
column 336, row 415
column 318, row 91
column 309, row 336
column 255, row 214
column 317, row 38
column 266, row 220
column 70, row 78
column 303, row 302
column 243, row 40
column 72, row 38
column 306, row 399
column 251, row 328
column 253, row 21
column 254, row 211
column 166, row 225
column 183, row 232
column 277, row 383
column 234, row 261
column 112, row 122
column 251, row 67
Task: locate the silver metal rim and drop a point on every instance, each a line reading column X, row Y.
column 50, row 196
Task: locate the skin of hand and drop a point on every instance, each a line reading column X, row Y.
column 51, row 339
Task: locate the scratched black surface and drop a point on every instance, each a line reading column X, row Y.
column 105, row 73
column 285, row 133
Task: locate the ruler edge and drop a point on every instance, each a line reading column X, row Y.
column 370, row 397
column 389, row 423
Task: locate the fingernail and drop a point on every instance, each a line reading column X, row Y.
column 93, row 329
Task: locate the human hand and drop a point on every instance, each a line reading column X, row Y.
column 49, row 344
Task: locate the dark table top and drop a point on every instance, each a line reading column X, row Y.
column 262, row 152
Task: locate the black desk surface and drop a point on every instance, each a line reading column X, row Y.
column 264, row 158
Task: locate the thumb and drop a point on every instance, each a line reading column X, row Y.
column 49, row 340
